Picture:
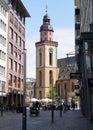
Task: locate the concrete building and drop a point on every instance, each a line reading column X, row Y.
column 3, row 49
column 84, row 45
column 30, row 88
column 46, row 59
column 15, row 47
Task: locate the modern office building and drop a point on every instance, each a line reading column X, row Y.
column 84, row 45
column 17, row 14
column 3, row 49
column 46, row 60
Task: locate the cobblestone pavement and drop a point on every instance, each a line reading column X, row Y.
column 70, row 120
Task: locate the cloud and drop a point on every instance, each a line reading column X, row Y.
column 65, row 39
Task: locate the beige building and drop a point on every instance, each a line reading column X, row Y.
column 46, row 60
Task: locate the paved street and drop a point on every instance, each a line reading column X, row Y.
column 71, row 120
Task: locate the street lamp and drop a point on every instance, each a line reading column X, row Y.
column 24, row 92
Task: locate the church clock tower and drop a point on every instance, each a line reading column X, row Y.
column 46, row 60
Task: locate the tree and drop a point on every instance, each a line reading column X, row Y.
column 52, row 93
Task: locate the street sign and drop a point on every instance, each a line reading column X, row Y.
column 75, row 75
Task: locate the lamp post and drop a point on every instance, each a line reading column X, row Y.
column 24, row 92
column 2, row 103
column 52, row 110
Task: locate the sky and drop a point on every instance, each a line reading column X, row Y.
column 61, row 13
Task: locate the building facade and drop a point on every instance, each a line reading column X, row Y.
column 46, row 60
column 65, row 85
column 84, row 45
column 15, row 48
column 30, row 89
column 3, row 49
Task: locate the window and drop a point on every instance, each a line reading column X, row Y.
column 10, row 64
column 10, row 79
column 15, row 66
column 19, row 83
column 20, row 27
column 19, row 55
column 40, row 54
column 15, row 81
column 50, row 56
column 11, row 33
column 19, row 68
column 19, row 41
column 15, row 52
column 10, row 48
column 11, row 17
column 50, row 76
column 15, row 37
column 40, row 78
column 16, row 23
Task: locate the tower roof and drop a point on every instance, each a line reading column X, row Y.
column 46, row 26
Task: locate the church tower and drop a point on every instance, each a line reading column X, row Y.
column 46, row 59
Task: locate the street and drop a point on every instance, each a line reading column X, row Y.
column 70, row 120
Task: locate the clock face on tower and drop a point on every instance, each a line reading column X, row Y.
column 50, row 50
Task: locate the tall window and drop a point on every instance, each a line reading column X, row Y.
column 40, row 54
column 15, row 81
column 10, row 63
column 50, row 56
column 10, row 48
column 15, row 66
column 15, row 37
column 11, row 33
column 50, row 76
column 10, row 79
column 40, row 78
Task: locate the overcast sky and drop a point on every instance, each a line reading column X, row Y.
column 61, row 13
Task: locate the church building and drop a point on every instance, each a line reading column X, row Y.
column 46, row 60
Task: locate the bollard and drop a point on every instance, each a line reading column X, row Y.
column 24, row 119
column 52, row 113
column 61, row 108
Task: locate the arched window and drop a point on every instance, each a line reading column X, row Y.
column 40, row 78
column 50, row 56
column 40, row 56
column 50, row 76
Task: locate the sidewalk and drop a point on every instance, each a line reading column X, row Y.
column 70, row 120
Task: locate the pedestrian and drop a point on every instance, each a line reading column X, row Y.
column 73, row 106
